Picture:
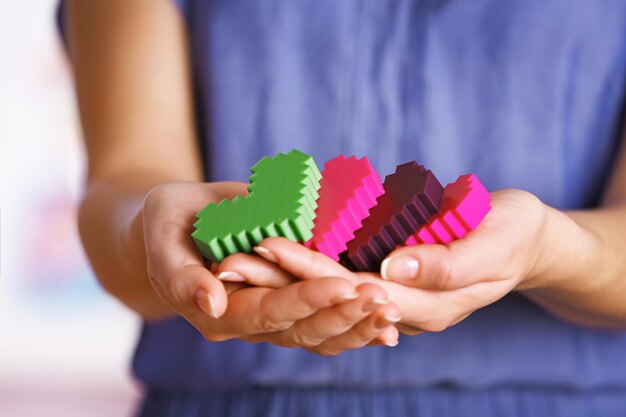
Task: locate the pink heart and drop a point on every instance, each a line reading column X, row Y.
column 349, row 188
column 465, row 203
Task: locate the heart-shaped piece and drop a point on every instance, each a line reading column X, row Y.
column 349, row 188
column 465, row 203
column 412, row 195
column 281, row 202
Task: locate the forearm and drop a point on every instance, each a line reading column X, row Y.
column 111, row 229
column 581, row 272
column 134, row 88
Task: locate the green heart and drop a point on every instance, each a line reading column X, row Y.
column 281, row 202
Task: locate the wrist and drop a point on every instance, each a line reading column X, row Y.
column 111, row 225
column 131, row 246
column 541, row 247
column 564, row 250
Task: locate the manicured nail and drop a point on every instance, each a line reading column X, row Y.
column 230, row 276
column 348, row 296
column 374, row 303
column 401, row 267
column 206, row 303
column 387, row 320
column 265, row 253
column 392, row 318
column 391, row 343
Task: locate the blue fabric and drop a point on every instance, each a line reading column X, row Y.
column 345, row 402
column 525, row 93
column 512, row 342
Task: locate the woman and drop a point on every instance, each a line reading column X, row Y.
column 526, row 94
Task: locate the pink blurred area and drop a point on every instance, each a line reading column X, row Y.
column 65, row 346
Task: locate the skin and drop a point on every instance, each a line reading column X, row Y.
column 144, row 185
column 569, row 263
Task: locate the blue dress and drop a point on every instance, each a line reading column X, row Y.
column 525, row 93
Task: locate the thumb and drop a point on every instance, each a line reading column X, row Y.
column 190, row 288
column 211, row 294
column 443, row 267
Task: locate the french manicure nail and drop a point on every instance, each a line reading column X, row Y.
column 265, row 253
column 230, row 277
column 392, row 318
column 211, row 304
column 401, row 267
column 206, row 303
column 386, row 320
column 391, row 343
column 348, row 296
column 372, row 304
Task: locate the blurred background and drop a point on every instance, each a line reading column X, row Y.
column 65, row 345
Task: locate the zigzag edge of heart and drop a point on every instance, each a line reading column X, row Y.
column 403, row 224
column 297, row 226
column 350, row 217
column 458, row 216
column 389, row 236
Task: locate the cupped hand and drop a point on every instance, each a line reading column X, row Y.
column 176, row 269
column 321, row 315
column 364, row 318
column 437, row 286
column 301, row 315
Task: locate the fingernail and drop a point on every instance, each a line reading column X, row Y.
column 401, row 267
column 348, row 296
column 392, row 318
column 230, row 276
column 391, row 343
column 386, row 320
column 206, row 303
column 214, row 267
column 372, row 304
column 265, row 253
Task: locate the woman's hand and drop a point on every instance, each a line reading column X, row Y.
column 355, row 320
column 326, row 316
column 506, row 252
column 434, row 286
column 176, row 270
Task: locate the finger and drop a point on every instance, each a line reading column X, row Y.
column 178, row 272
column 230, row 189
column 390, row 336
column 232, row 287
column 336, row 320
column 193, row 288
column 299, row 261
column 220, row 329
column 176, row 268
column 363, row 333
column 429, row 310
column 386, row 337
column 268, row 310
column 408, row 330
column 254, row 270
column 496, row 250
column 446, row 267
